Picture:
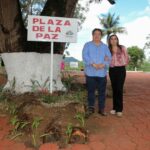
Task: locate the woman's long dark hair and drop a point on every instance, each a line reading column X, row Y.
column 118, row 45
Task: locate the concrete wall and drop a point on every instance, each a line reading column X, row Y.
column 24, row 67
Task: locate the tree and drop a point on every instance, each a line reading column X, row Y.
column 136, row 57
column 11, row 26
column 12, row 30
column 31, row 7
column 147, row 44
column 110, row 24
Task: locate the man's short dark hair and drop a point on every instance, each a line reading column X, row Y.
column 97, row 29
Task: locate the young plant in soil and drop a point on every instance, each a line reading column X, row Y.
column 67, row 81
column 18, row 124
column 69, row 132
column 49, row 98
column 35, row 125
column 12, row 86
column 12, row 108
column 81, row 118
column 38, row 87
column 2, row 96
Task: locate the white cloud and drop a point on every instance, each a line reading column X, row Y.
column 146, row 11
column 136, row 14
column 137, row 32
column 95, row 10
column 137, row 29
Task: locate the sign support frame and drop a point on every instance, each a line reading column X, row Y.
column 52, row 29
column 51, row 70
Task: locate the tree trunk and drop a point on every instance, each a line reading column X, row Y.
column 59, row 8
column 70, row 8
column 13, row 35
column 11, row 27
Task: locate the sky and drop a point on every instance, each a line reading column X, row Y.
column 134, row 16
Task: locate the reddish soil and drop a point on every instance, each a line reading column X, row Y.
column 131, row 132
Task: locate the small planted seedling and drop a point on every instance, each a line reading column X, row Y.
column 69, row 132
column 81, row 118
column 35, row 125
column 12, row 109
column 18, row 125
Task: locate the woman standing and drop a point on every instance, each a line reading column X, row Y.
column 117, row 73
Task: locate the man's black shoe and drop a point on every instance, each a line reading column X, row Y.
column 102, row 113
column 89, row 112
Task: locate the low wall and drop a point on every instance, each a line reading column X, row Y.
column 30, row 71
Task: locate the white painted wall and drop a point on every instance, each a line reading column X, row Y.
column 31, row 66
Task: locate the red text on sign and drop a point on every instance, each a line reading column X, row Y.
column 46, row 36
column 52, row 22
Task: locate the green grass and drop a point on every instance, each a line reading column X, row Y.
column 144, row 67
column 75, row 96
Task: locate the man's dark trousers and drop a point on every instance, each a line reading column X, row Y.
column 92, row 84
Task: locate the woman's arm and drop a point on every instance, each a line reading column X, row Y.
column 126, row 56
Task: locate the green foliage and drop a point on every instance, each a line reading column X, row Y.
column 67, row 81
column 136, row 57
column 35, row 7
column 147, row 44
column 37, row 86
column 65, row 54
column 72, row 96
column 81, row 118
column 11, row 89
column 69, row 131
column 31, row 7
column 80, row 96
column 2, row 95
column 145, row 66
column 80, row 12
column 60, row 8
column 80, row 67
column 24, row 124
column 18, row 124
column 15, row 121
column 16, row 135
column 12, row 85
column 110, row 24
column 12, row 108
column 49, row 98
column 110, row 1
column 35, row 124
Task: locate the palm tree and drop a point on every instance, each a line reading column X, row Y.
column 110, row 24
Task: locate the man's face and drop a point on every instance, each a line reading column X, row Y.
column 97, row 36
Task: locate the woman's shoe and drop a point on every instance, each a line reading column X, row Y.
column 119, row 114
column 113, row 112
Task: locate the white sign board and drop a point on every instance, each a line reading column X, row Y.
column 53, row 29
column 74, row 64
